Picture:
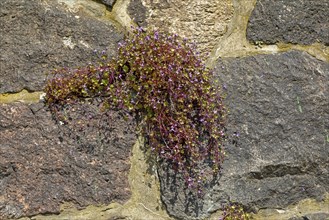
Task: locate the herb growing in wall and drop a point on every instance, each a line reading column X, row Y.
column 162, row 79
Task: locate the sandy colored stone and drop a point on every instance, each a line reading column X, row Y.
column 202, row 21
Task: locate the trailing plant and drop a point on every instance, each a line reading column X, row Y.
column 162, row 79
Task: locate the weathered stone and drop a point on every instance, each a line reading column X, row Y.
column 294, row 21
column 138, row 12
column 108, row 3
column 313, row 216
column 279, row 109
column 204, row 22
column 44, row 164
column 38, row 36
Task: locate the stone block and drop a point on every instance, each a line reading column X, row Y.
column 43, row 164
column 277, row 153
column 294, row 21
column 38, row 36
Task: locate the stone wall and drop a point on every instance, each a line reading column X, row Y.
column 271, row 56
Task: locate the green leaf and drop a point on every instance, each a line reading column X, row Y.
column 104, row 82
column 125, row 68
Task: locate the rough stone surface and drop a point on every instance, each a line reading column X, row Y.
column 279, row 107
column 38, row 36
column 294, row 21
column 108, row 3
column 204, row 22
column 44, row 164
column 313, row 216
column 138, row 12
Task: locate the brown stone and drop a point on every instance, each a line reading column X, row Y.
column 44, row 164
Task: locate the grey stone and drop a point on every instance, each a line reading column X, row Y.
column 109, row 3
column 138, row 12
column 312, row 216
column 43, row 164
column 279, row 107
column 294, row 21
column 38, row 36
column 317, row 216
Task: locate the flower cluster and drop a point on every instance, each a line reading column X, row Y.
column 234, row 212
column 161, row 78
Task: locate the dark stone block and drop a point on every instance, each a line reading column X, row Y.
column 317, row 216
column 312, row 216
column 294, row 21
column 109, row 3
column 44, row 164
column 137, row 11
column 279, row 107
column 38, row 36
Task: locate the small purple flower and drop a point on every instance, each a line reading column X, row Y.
column 236, row 134
column 156, row 35
column 140, row 29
